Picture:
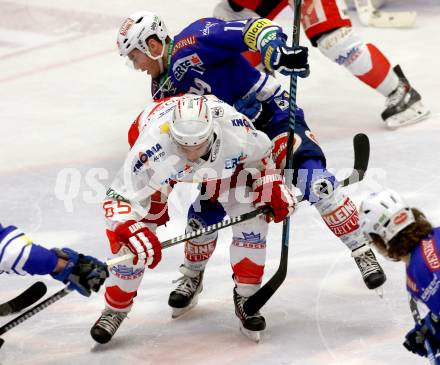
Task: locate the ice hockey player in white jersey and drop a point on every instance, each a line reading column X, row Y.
column 19, row 255
column 192, row 139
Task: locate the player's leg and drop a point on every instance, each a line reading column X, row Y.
column 198, row 250
column 120, row 289
column 247, row 255
column 330, row 29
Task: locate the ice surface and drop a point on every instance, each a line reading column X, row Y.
column 66, row 102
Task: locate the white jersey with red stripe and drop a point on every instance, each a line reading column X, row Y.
column 155, row 160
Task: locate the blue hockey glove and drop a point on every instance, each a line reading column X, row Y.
column 277, row 56
column 81, row 273
column 249, row 106
column 430, row 330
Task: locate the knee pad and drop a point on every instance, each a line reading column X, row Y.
column 347, row 49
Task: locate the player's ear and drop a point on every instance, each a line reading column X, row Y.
column 155, row 46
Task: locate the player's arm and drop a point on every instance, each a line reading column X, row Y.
column 19, row 255
column 128, row 203
column 268, row 185
column 263, row 35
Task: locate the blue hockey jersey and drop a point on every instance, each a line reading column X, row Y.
column 18, row 255
column 205, row 58
column 423, row 271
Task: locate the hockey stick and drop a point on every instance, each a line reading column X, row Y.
column 369, row 16
column 361, row 147
column 258, row 299
column 168, row 243
column 201, row 231
column 30, row 296
column 433, row 359
column 33, row 311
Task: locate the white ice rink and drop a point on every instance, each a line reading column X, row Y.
column 66, row 102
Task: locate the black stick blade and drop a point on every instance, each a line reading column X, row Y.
column 30, row 296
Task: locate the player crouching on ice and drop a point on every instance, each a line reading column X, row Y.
column 19, row 255
column 404, row 234
column 192, row 139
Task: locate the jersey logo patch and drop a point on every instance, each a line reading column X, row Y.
column 183, row 43
column 430, row 255
column 181, row 67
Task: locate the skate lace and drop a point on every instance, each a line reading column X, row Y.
column 110, row 321
column 239, row 303
column 367, row 263
column 187, row 285
column 396, row 96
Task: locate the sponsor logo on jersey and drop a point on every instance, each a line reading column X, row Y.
column 252, row 33
column 127, row 272
column 205, row 31
column 178, row 175
column 431, row 290
column 269, row 35
column 230, row 163
column 351, row 56
column 144, row 156
column 183, row 43
column 217, row 112
column 125, row 27
column 181, row 67
column 430, row 255
column 344, row 219
column 241, row 123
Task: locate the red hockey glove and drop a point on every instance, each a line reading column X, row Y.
column 142, row 242
column 270, row 190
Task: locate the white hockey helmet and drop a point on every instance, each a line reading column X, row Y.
column 136, row 29
column 192, row 122
column 385, row 214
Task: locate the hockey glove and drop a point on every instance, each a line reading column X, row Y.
column 141, row 241
column 270, row 190
column 81, row 273
column 429, row 330
column 249, row 106
column 277, row 56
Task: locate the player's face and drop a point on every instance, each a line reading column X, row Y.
column 193, row 153
column 144, row 63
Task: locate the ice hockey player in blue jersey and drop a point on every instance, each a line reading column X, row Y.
column 19, row 255
column 205, row 58
column 404, row 234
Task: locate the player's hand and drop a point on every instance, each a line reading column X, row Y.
column 277, row 56
column 141, row 241
column 249, row 106
column 429, row 330
column 270, row 191
column 81, row 273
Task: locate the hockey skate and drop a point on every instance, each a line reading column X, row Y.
column 250, row 326
column 403, row 105
column 107, row 325
column 186, row 294
column 372, row 273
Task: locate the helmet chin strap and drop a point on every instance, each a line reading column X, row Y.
column 158, row 58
